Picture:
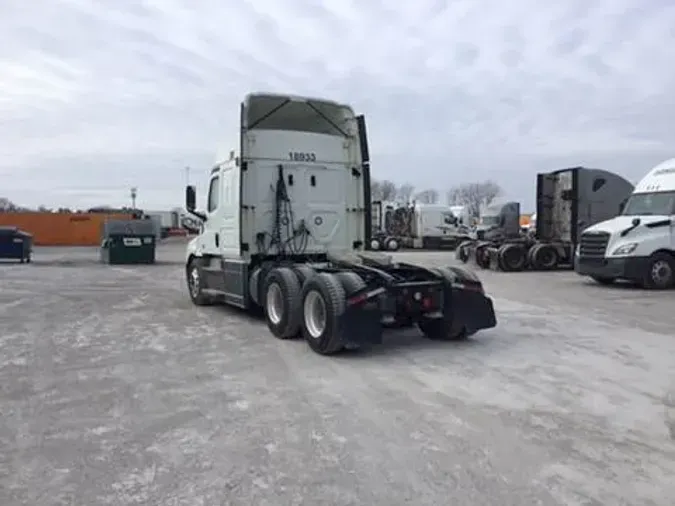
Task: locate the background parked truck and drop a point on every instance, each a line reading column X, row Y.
column 417, row 225
column 568, row 201
column 639, row 244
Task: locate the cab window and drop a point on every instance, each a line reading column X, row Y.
column 214, row 194
column 449, row 219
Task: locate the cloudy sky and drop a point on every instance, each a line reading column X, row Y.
column 97, row 96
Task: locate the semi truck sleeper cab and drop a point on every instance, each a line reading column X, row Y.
column 287, row 219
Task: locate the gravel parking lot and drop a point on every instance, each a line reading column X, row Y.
column 115, row 389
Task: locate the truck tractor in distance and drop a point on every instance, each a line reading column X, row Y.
column 287, row 217
column 383, row 237
column 417, row 226
column 568, row 201
column 639, row 244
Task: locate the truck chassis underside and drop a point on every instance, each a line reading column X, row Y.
column 353, row 297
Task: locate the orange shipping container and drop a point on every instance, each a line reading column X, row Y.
column 61, row 229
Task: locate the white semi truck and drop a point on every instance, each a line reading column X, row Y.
column 417, row 225
column 286, row 221
column 639, row 244
column 383, row 236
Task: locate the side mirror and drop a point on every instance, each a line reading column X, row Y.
column 635, row 222
column 190, row 198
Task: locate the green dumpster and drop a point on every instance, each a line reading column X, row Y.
column 126, row 242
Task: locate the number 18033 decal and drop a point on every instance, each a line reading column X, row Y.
column 301, row 157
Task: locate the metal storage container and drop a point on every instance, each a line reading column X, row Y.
column 128, row 242
column 15, row 244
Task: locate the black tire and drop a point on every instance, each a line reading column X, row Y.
column 195, row 281
column 304, row 272
column 545, row 257
column 603, row 281
column 462, row 253
column 660, row 273
column 282, row 302
column 350, row 281
column 323, row 290
column 482, row 257
column 442, row 329
column 375, row 244
column 28, row 259
column 392, row 244
column 512, row 257
column 530, row 256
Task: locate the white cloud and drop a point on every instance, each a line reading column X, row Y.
column 109, row 94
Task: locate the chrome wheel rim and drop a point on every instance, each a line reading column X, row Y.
column 194, row 281
column 275, row 303
column 315, row 314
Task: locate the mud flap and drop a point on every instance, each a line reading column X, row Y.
column 469, row 307
column 472, row 310
column 361, row 325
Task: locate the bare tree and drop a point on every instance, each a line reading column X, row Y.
column 7, row 205
column 375, row 190
column 474, row 195
column 427, row 197
column 405, row 192
column 382, row 190
column 389, row 190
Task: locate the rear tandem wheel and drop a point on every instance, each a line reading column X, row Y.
column 282, row 302
column 544, row 257
column 462, row 253
column 482, row 257
column 512, row 257
column 323, row 302
column 443, row 329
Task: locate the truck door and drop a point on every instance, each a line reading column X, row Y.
column 229, row 216
column 211, row 236
column 672, row 222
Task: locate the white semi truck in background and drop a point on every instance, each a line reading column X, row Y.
column 417, row 225
column 638, row 245
column 288, row 214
